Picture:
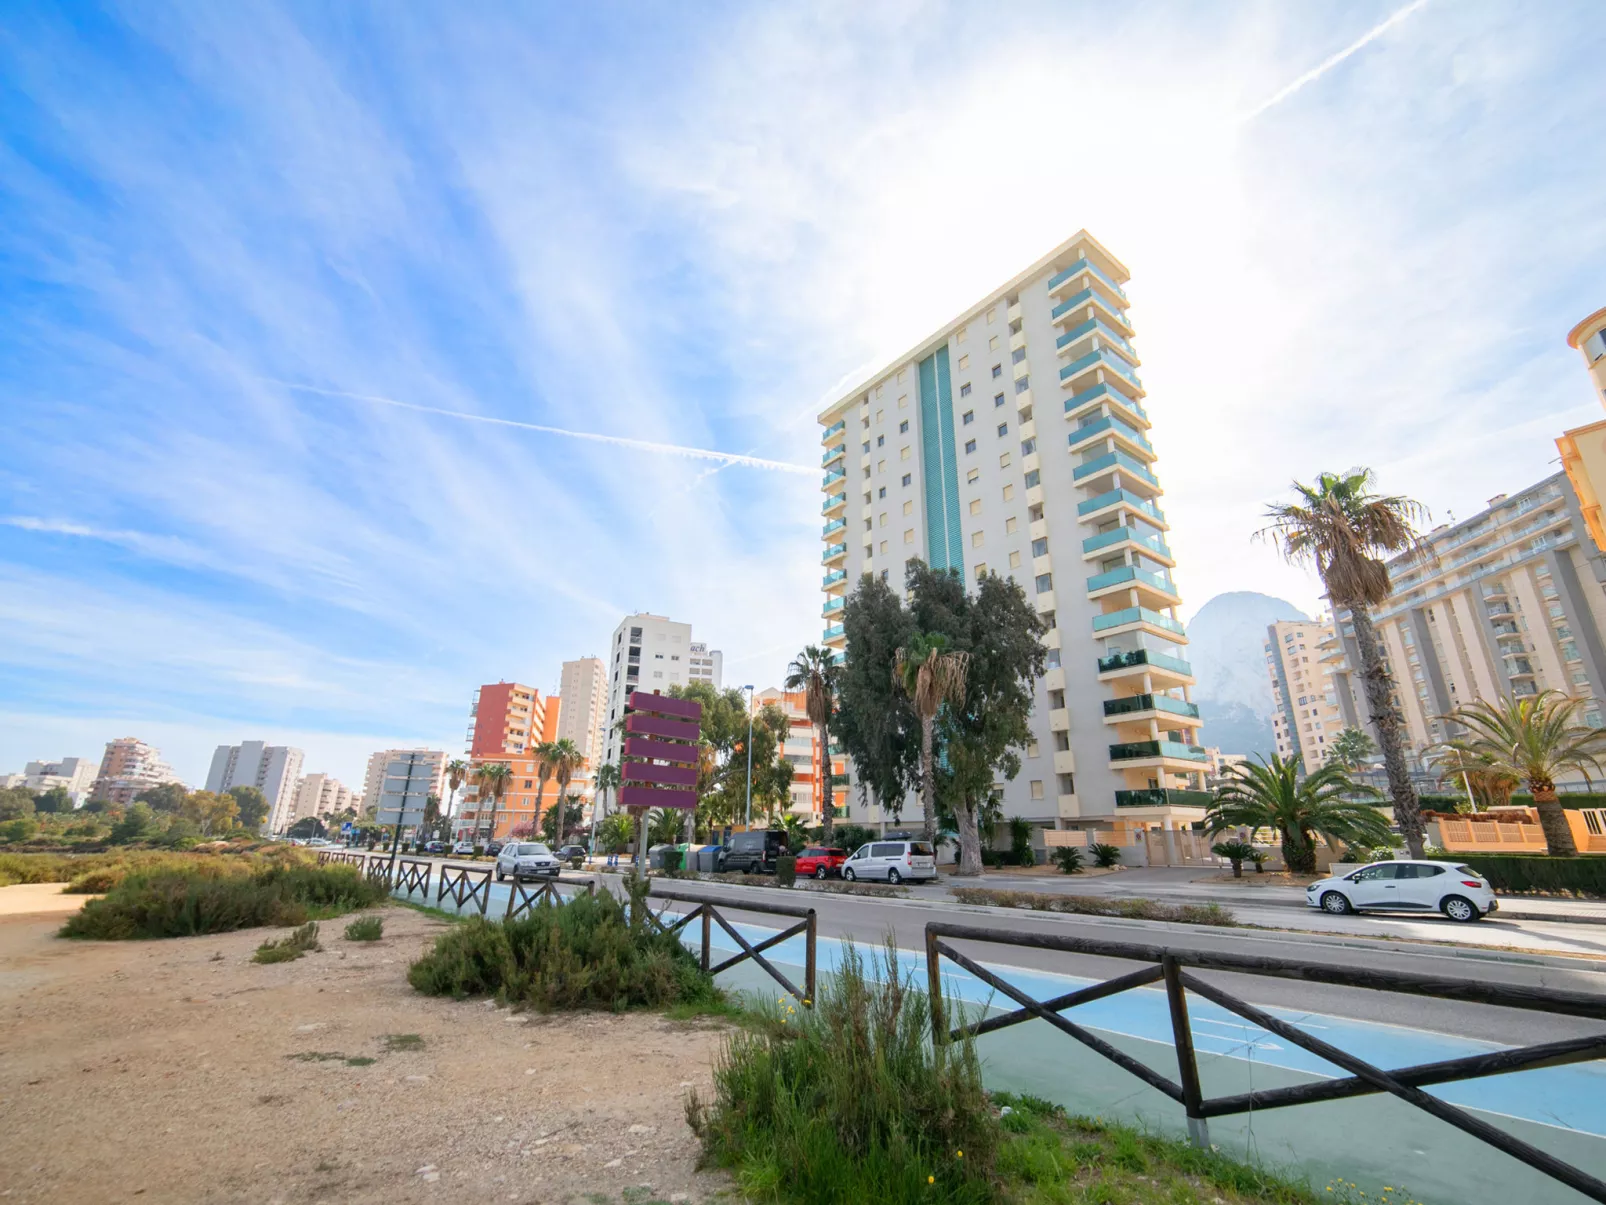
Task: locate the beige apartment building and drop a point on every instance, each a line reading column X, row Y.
column 1583, row 449
column 583, row 715
column 321, row 795
column 1014, row 439
column 1308, row 714
column 1509, row 602
column 128, row 767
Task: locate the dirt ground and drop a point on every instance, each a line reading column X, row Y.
column 179, row 1071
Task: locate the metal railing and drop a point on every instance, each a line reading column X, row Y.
column 522, row 899
column 1167, row 966
column 808, row 925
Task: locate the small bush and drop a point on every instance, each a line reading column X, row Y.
column 1069, row 859
column 1020, row 842
column 1539, row 873
column 581, row 954
column 288, row 949
column 1095, row 905
column 1105, row 855
column 366, row 928
column 786, row 870
column 1236, row 852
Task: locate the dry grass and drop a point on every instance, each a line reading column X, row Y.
column 1092, row 905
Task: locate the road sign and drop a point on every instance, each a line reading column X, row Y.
column 405, row 790
column 660, row 757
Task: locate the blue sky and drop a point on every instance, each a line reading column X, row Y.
column 233, row 237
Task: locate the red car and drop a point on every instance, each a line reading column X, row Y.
column 820, row 862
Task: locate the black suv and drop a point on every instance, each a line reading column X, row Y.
column 755, row 852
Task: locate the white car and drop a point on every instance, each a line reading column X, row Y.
column 527, row 860
column 894, row 861
column 463, row 849
column 1407, row 885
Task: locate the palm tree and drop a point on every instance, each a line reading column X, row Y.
column 545, row 764
column 1324, row 803
column 493, row 779
column 566, row 759
column 930, row 674
column 1531, row 740
column 814, row 671
column 1344, row 528
column 1486, row 787
column 607, row 780
column 456, row 774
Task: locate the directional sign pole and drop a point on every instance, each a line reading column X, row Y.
column 401, row 813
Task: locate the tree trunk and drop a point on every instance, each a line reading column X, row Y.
column 1237, row 868
column 1553, row 820
column 1386, row 720
column 540, row 794
column 828, row 787
column 928, row 783
column 969, row 840
column 1299, row 854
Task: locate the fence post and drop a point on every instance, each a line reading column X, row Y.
column 1187, row 1061
column 708, row 934
column 811, row 943
column 939, row 1025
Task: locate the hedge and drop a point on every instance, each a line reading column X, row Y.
column 1569, row 799
column 1538, row 873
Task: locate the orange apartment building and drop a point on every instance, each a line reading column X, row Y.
column 807, row 758
column 508, row 721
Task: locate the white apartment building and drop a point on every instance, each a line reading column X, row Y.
column 651, row 653
column 940, row 456
column 75, row 775
column 1309, row 714
column 583, row 712
column 707, row 665
column 321, row 795
column 272, row 769
column 374, row 775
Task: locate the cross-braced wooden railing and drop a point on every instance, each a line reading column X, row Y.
column 465, row 885
column 522, row 899
column 705, row 910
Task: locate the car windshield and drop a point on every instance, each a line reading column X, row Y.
column 532, row 850
column 920, row 849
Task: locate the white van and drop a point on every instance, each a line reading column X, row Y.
column 894, row 861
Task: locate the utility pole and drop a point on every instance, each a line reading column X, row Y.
column 749, row 690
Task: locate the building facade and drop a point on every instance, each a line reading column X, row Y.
column 1583, row 449
column 583, row 717
column 75, row 775
column 515, row 812
column 651, row 653
column 940, row 456
column 1308, row 715
column 509, row 717
column 321, row 795
column 272, row 769
column 809, row 790
column 128, row 767
column 374, row 775
column 1509, row 602
column 707, row 666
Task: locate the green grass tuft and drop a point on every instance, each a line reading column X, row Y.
column 366, row 928
column 403, row 1041
column 288, row 949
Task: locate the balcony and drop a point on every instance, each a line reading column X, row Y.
column 831, row 479
column 1101, row 359
column 1157, row 797
column 1120, row 498
column 1149, row 750
column 834, row 632
column 1144, row 658
column 1126, row 535
column 1133, row 577
column 1131, row 615
column 833, row 453
column 1092, row 297
column 831, row 528
column 832, row 607
column 1107, row 426
column 834, row 430
column 1134, row 704
column 1103, row 393
column 832, row 578
column 1094, row 327
column 1079, row 267
column 833, row 553
column 1111, row 462
column 834, row 502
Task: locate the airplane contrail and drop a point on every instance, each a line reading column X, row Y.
column 1327, row 64
column 640, row 445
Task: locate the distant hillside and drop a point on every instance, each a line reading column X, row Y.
column 1226, row 646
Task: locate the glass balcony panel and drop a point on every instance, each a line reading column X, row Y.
column 1138, row 750
column 1160, row 797
column 1116, row 619
column 1111, row 497
column 1083, row 265
column 1127, row 660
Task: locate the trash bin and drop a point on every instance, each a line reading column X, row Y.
column 706, row 859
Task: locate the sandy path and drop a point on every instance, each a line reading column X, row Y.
column 180, row 1071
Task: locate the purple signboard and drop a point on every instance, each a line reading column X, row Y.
column 656, row 797
column 646, row 771
column 641, row 724
column 639, row 746
column 685, row 709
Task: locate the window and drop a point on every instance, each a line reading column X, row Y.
column 908, row 508
column 903, row 401
column 1033, row 479
column 992, row 344
column 866, row 470
column 981, row 571
column 903, row 427
column 903, row 452
column 1040, row 547
column 867, row 525
column 869, row 551
column 867, row 497
column 1009, row 492
column 998, row 370
column 970, row 445
column 964, row 361
column 1011, row 523
column 1062, row 741
column 959, row 335
column 998, row 399
column 970, row 477
column 977, row 539
column 879, row 388
column 1037, row 788
column 1022, row 384
column 1014, row 560
column 865, row 447
column 975, row 509
column 883, row 548
column 909, row 535
column 1045, row 582
column 1003, row 461
column 881, row 466
column 1016, row 356
column 883, row 520
column 1031, row 749
column 968, row 417
column 991, row 314
column 880, row 441
column 907, row 477
column 902, row 374
column 1052, row 659
column 1067, row 784
column 1003, row 428
column 878, row 415
column 1028, row 446
column 964, row 390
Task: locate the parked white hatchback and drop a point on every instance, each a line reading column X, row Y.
column 526, row 860
column 894, row 861
column 1407, row 885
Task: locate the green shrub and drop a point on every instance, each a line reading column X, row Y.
column 850, row 1102
column 365, row 928
column 580, row 954
column 672, row 858
column 1236, row 852
column 1096, row 905
column 1105, row 855
column 1069, row 859
column 288, row 949
column 1583, row 875
column 201, row 899
column 786, row 870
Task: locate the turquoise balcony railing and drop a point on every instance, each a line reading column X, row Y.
column 1077, row 400
column 834, row 501
column 1131, row 573
column 1091, row 326
column 1137, row 750
column 831, row 479
column 1083, row 265
column 1166, row 703
column 832, row 632
column 1154, row 797
column 1111, row 497
column 836, row 604
column 833, row 525
column 1149, row 657
column 1101, row 359
column 835, row 453
column 1115, row 460
column 1092, row 297
column 835, row 428
column 834, row 551
column 1116, row 536
column 832, row 578
column 1113, row 425
column 1116, row 619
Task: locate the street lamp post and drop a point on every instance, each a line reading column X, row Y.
column 749, row 691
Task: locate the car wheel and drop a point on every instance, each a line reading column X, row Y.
column 848, row 874
column 820, row 872
column 893, row 876
column 1336, row 903
column 1458, row 908
column 499, row 876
